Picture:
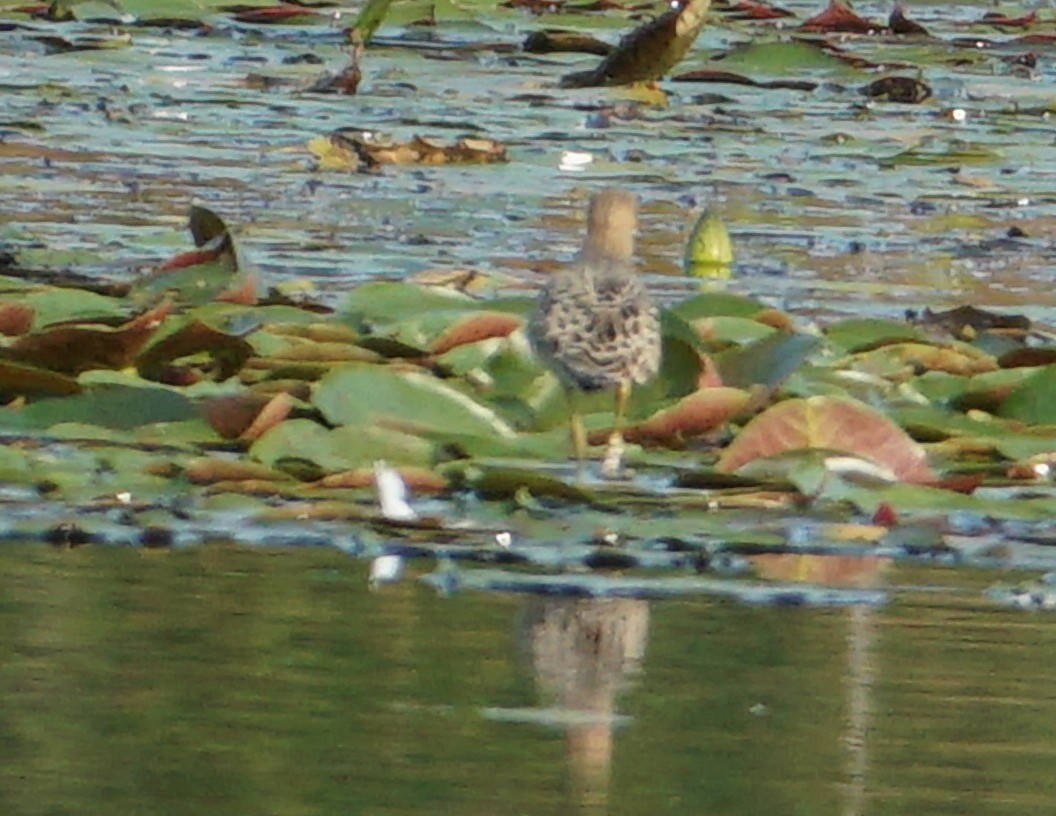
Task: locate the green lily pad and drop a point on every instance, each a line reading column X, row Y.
column 407, row 401
column 115, row 407
column 340, row 448
column 1034, row 402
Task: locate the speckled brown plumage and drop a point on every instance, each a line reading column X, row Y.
column 595, row 324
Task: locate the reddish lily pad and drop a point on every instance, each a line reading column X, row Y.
column 474, row 328
column 830, row 423
column 700, row 412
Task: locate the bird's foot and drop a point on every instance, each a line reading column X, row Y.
column 612, row 464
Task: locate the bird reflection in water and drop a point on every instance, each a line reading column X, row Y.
column 582, row 652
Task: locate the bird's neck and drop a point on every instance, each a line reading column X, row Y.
column 599, row 265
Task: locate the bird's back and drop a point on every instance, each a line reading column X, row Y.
column 597, row 328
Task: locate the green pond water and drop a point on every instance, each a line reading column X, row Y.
column 246, row 681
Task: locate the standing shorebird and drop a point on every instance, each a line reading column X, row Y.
column 595, row 324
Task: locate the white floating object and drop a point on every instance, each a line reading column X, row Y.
column 860, row 471
column 504, row 540
column 575, row 160
column 392, row 494
column 385, row 569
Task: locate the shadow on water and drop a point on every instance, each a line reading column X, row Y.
column 230, row 680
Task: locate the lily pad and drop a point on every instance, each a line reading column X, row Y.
column 829, row 423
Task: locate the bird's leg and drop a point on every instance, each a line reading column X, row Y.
column 575, row 424
column 623, row 394
column 612, row 464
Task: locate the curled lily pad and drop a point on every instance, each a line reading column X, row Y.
column 691, row 416
column 648, row 52
column 209, row 272
column 227, row 353
column 830, row 423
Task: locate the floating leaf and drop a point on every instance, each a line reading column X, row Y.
column 1034, row 402
column 246, row 416
column 839, row 17
column 754, row 10
column 907, row 90
column 18, row 380
column 112, row 406
column 226, row 352
column 474, row 328
column 280, row 14
column 902, row 25
column 830, row 423
column 715, row 304
column 552, row 41
column 767, row 362
column 339, row 449
column 71, row 349
column 365, row 150
column 15, row 319
column 700, row 412
column 407, row 401
column 863, row 334
column 932, row 151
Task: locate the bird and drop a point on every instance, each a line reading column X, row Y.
column 595, row 325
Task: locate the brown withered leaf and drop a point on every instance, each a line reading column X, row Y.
column 365, row 151
column 18, row 380
column 555, row 41
column 649, row 51
column 73, row 348
column 900, row 24
column 996, row 18
column 839, row 17
column 210, row 470
column 920, row 357
column 205, row 225
column 967, row 321
column 419, row 480
column 227, row 352
column 903, row 89
column 729, row 78
column 15, row 319
column 246, row 416
column 754, row 10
